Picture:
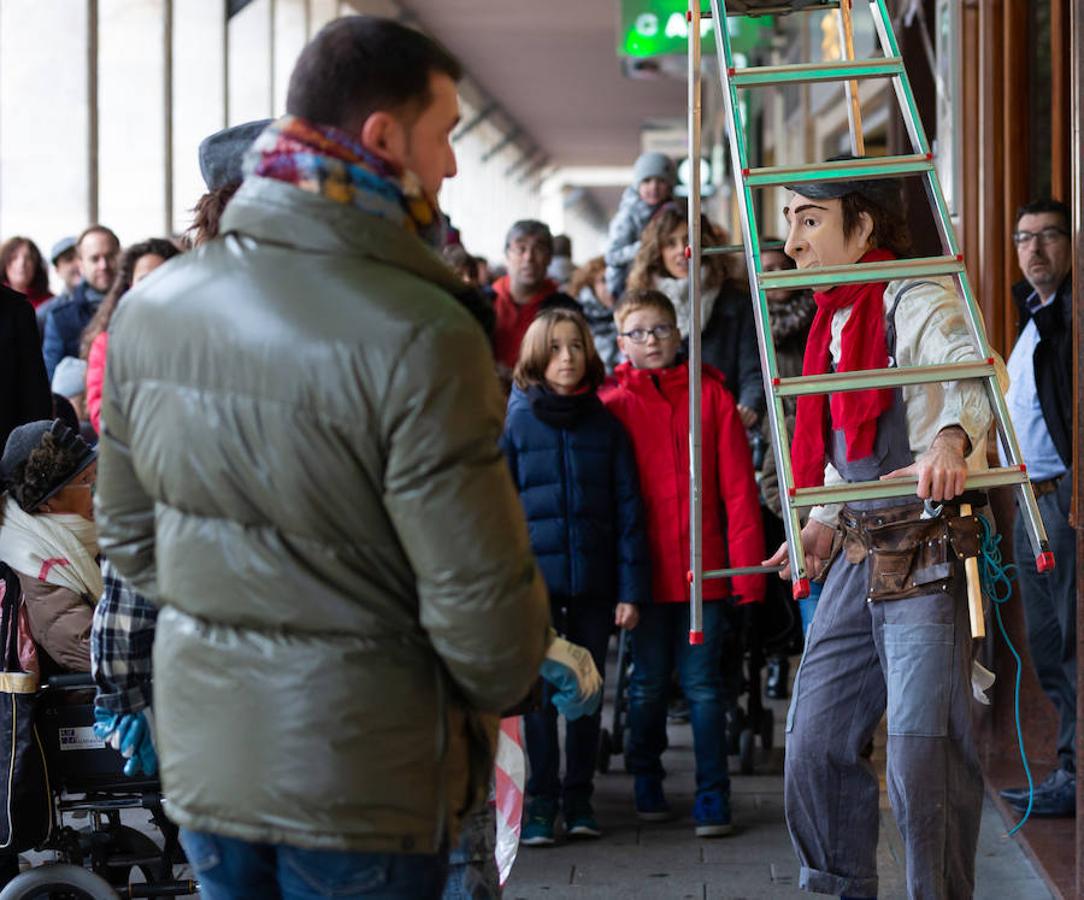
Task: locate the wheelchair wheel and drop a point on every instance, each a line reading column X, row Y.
column 130, row 851
column 58, row 882
column 605, row 751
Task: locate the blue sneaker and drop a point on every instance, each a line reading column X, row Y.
column 651, row 805
column 712, row 814
column 538, row 822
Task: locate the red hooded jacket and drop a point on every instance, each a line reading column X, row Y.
column 653, row 405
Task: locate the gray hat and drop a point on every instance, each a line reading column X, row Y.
column 654, row 165
column 60, row 248
column 885, row 192
column 70, row 377
column 221, row 154
column 24, row 440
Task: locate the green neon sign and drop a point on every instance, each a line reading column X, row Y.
column 659, row 28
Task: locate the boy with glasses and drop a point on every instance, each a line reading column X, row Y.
column 651, row 399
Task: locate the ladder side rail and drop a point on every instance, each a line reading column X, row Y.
column 769, row 369
column 854, row 103
column 904, row 95
column 696, row 563
column 1025, row 494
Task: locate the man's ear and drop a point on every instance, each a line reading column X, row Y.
column 383, row 135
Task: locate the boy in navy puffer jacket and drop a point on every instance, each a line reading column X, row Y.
column 576, row 473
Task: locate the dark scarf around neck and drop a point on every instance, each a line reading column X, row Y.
column 561, row 410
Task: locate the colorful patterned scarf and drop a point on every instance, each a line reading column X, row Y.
column 324, row 160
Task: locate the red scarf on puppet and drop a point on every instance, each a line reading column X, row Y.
column 862, row 346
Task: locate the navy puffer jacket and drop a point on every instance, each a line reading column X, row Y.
column 576, row 474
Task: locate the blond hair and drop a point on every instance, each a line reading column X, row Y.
column 634, row 300
column 534, row 351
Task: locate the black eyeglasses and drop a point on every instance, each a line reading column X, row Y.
column 640, row 335
column 1044, row 236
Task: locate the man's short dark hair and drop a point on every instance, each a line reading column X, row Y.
column 358, row 65
column 1046, row 205
column 529, row 228
column 96, row 229
column 890, row 229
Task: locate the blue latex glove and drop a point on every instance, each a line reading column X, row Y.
column 131, row 735
column 575, row 679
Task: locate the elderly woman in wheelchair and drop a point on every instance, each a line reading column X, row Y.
column 59, row 740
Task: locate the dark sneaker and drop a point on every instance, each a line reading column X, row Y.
column 1058, row 801
column 651, row 805
column 712, row 814
column 580, row 819
column 538, row 822
column 678, row 711
column 1020, row 795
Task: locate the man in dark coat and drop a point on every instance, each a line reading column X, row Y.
column 24, row 386
column 1041, row 406
column 98, row 248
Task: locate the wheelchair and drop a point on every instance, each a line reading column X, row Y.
column 102, row 859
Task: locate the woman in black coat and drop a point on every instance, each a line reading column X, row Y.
column 24, row 386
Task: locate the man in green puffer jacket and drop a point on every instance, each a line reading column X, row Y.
column 299, row 465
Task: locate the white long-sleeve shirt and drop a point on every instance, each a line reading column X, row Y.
column 931, row 329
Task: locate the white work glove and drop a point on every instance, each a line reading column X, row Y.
column 576, row 681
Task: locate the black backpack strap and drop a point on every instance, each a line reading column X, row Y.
column 890, row 322
column 9, row 620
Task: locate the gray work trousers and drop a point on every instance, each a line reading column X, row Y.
column 914, row 657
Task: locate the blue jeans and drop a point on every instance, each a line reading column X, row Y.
column 1049, row 600
column 231, row 869
column 586, row 622
column 659, row 643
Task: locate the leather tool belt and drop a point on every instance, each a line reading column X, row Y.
column 1046, row 486
column 909, row 556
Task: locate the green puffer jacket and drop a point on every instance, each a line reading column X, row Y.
column 300, row 466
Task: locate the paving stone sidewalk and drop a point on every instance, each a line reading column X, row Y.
column 633, row 860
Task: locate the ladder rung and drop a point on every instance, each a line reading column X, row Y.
column 780, row 8
column 843, row 170
column 743, row 570
column 804, row 73
column 864, row 273
column 898, row 487
column 879, row 378
column 765, row 247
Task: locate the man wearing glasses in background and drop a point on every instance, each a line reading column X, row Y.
column 1040, row 405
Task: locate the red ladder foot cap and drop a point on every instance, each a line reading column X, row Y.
column 1044, row 562
column 800, row 589
column 696, row 637
column 689, row 577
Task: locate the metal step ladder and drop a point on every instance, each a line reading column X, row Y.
column 746, row 178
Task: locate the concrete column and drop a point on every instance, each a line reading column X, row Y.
column 320, row 13
column 132, row 118
column 249, row 34
column 199, row 95
column 290, row 36
column 44, row 119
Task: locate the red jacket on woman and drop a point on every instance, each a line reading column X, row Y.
column 653, row 405
column 95, row 379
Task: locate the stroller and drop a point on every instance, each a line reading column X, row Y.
column 744, row 656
